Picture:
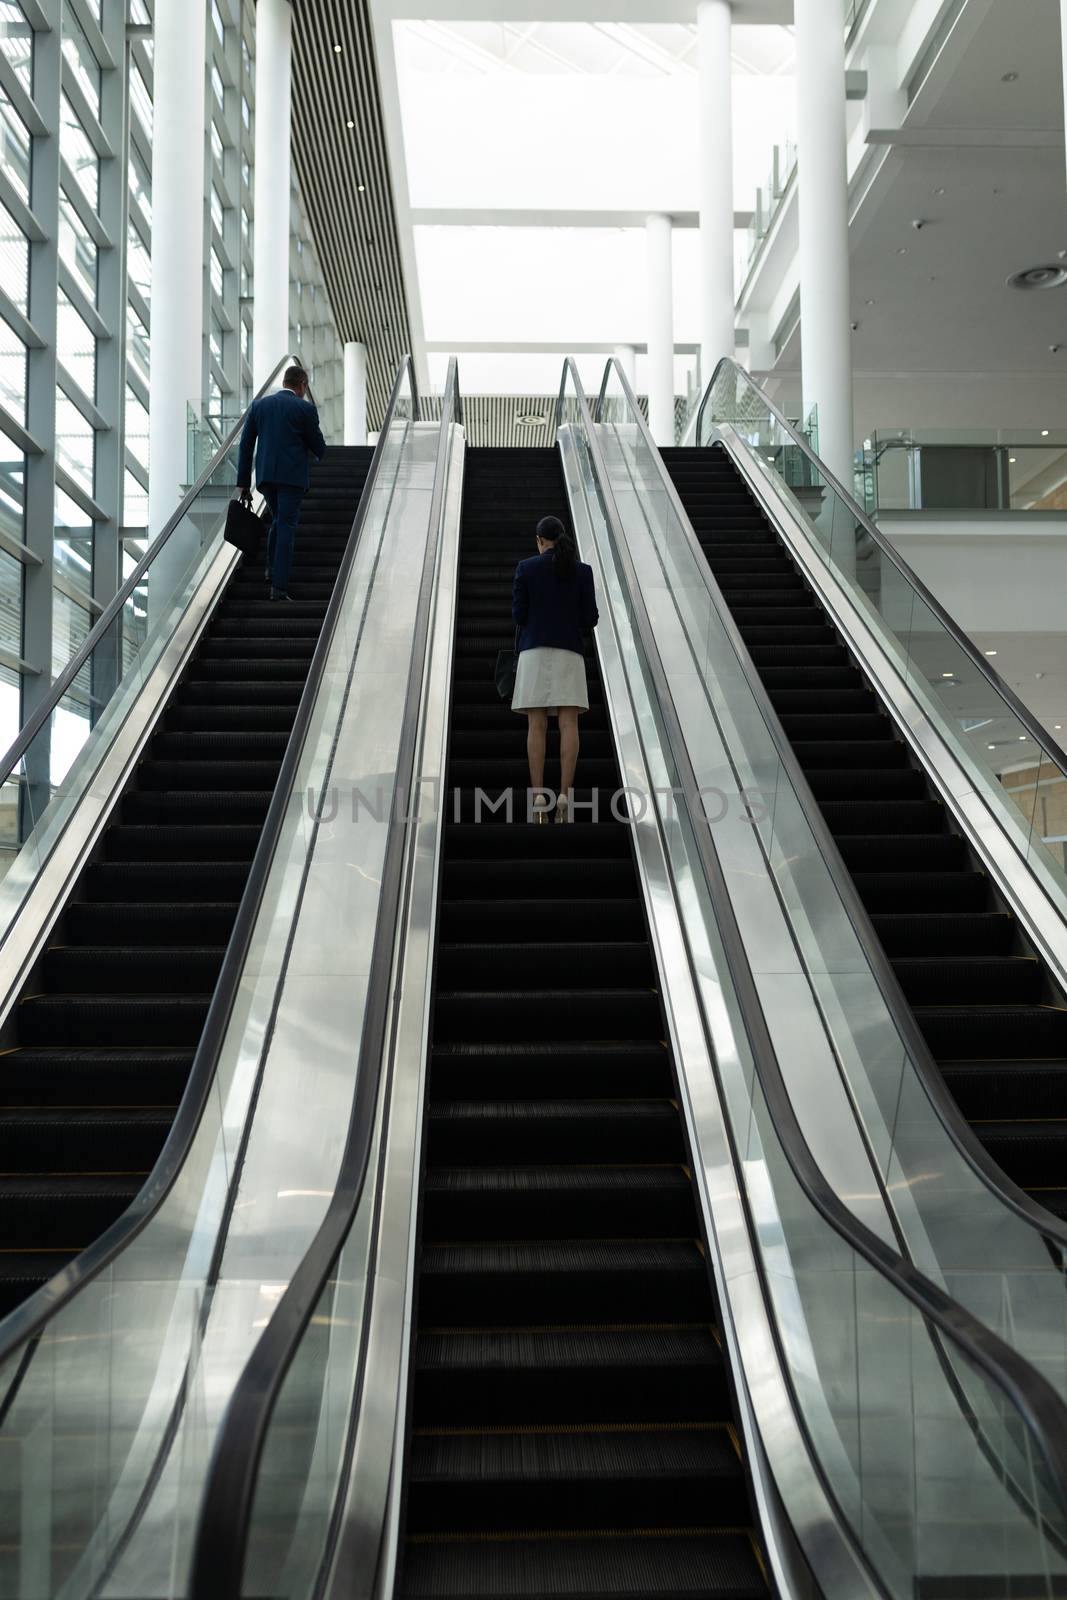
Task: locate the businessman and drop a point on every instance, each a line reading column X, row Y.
column 283, row 430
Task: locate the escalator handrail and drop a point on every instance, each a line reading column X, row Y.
column 228, row 1499
column 959, row 1131
column 1040, row 1407
column 37, row 718
column 28, row 1320
column 1037, row 732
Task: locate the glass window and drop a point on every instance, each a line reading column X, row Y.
column 78, row 153
column 246, row 58
column 134, row 504
column 246, row 278
column 75, row 443
column 246, row 340
column 15, row 150
column 12, row 373
column 11, row 605
column 77, row 51
column 216, row 339
column 218, row 88
column 16, row 41
column 140, row 13
column 136, row 431
column 140, row 182
column 14, row 261
column 216, row 18
column 246, row 172
column 12, row 490
column 76, row 345
column 137, row 346
column 138, row 265
column 73, row 546
column 246, row 112
column 77, row 248
column 217, row 274
column 140, row 98
column 216, row 208
column 218, row 149
column 70, row 626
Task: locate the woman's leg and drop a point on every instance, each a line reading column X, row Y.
column 536, row 732
column 568, row 747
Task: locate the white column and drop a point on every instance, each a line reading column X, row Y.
column 355, row 392
column 626, row 356
column 660, row 330
column 825, row 307
column 716, row 184
column 1063, row 49
column 177, row 273
column 270, row 256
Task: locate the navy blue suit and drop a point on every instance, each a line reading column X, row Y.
column 283, row 430
column 553, row 612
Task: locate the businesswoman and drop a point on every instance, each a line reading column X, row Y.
column 553, row 603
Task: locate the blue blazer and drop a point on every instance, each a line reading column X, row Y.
column 549, row 611
column 282, row 429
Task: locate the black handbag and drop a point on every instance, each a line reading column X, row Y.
column 243, row 527
column 507, row 664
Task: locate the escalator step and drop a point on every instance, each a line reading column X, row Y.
column 578, row 842
column 556, row 1013
column 911, row 891
column 204, row 843
column 157, row 881
column 512, row 921
column 242, row 722
column 131, row 1020
column 705, row 1563
column 562, row 1281
column 150, row 922
column 537, row 1131
column 214, row 777
column 889, row 782
column 93, row 969
column 184, row 805
column 859, row 756
column 991, row 1090
column 557, row 1202
column 47, row 1076
column 562, row 1479
column 86, row 1142
column 957, row 1033
column 228, row 693
column 62, row 1213
column 862, row 816
column 1034, row 1154
column 497, row 1071
column 874, row 851
column 987, row 933
column 605, row 964
column 1004, row 980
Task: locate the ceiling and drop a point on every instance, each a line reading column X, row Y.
column 355, row 228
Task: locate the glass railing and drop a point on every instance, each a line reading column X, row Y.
column 938, row 1463
column 769, row 197
column 113, row 1376
column 833, row 1000
column 934, row 471
column 1011, row 759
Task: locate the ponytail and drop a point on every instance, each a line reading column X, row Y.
column 564, row 555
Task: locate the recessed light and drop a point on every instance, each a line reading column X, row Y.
column 1043, row 277
column 868, row 302
column 362, row 187
column 337, row 49
column 350, row 123
column 1022, row 738
column 1044, row 433
column 939, row 191
column 530, row 420
column 1009, row 77
column 902, row 250
column 1011, row 461
column 1056, row 726
column 991, row 652
column 948, row 674
column 991, row 747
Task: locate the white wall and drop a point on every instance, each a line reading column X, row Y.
column 993, row 572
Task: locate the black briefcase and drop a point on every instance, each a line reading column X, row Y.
column 507, row 664
column 243, row 528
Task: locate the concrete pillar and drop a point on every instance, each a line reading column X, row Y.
column 270, row 257
column 355, row 392
column 660, row 330
column 626, row 356
column 716, row 184
column 825, row 302
column 177, row 273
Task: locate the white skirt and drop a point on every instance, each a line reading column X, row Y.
column 549, row 678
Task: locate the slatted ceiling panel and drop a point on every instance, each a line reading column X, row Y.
column 493, row 419
column 355, row 233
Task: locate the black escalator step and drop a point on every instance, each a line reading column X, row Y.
column 756, row 634
column 496, row 773
column 556, row 1202
column 953, row 933
column 951, row 980
column 114, row 1019
column 971, row 1033
column 496, row 717
column 701, row 1562
column 85, row 1142
column 872, row 852
column 557, row 1013
column 1034, row 1153
column 217, row 776
column 470, row 1132
column 136, row 969
column 298, row 608
column 188, row 805
column 821, row 701
column 264, row 747
column 73, row 1077
column 229, row 693
column 512, row 921
column 60, row 1212
column 998, row 1089
column 224, row 666
column 744, row 552
column 922, row 891
column 127, row 842
column 579, row 841
column 150, row 922
column 197, row 881
column 285, row 629
column 485, row 746
column 495, row 1070
column 229, row 720
column 486, row 804
column 798, row 659
column 612, row 1280
column 801, row 612
column 863, row 816
column 823, row 728
column 606, row 1477
column 798, row 680
column 857, row 755
column 544, row 875
column 871, row 783
column 601, row 963
column 23, row 1271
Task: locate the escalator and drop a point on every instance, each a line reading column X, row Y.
column 104, row 1035
column 572, row 1424
column 995, row 1022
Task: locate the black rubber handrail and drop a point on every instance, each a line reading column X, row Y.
column 37, row 718
column 1040, row 1407
column 1039, row 734
column 957, row 1128
column 28, row 1320
column 228, row 1498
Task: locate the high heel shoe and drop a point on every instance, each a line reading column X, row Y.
column 540, row 808
column 562, row 814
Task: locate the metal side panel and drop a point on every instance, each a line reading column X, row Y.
column 79, row 820
column 1031, row 900
column 793, row 1506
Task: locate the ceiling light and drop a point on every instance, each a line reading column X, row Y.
column 350, row 123
column 902, row 250
column 1044, row 433
column 337, row 49
column 1044, row 277
column 1009, row 77
column 1057, row 726
column 939, row 191
column 362, row 187
column 868, row 302
column 991, row 747
column 1022, row 738
column 991, row 652
column 530, row 419
column 948, row 674
column 1011, row 461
